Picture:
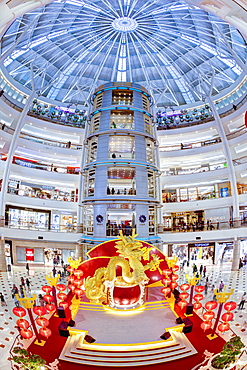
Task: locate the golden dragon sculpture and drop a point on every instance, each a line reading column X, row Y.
column 129, row 259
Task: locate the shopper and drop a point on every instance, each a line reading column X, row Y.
column 14, row 291
column 22, row 281
column 204, row 271
column 28, row 284
column 2, row 299
column 27, row 268
column 21, row 291
column 54, row 271
column 221, row 286
column 201, row 269
column 17, row 304
column 242, row 302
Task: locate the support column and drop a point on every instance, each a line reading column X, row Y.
column 236, row 254
column 232, row 175
column 3, row 265
column 12, row 148
column 80, row 251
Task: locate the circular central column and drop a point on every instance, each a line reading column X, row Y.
column 124, row 24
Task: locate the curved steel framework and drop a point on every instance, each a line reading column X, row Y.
column 167, row 46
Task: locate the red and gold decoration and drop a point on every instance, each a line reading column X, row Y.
column 209, row 315
column 23, row 324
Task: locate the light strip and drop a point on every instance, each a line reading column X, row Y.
column 41, row 181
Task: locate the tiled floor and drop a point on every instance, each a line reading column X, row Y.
column 8, row 332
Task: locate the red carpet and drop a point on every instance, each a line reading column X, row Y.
column 197, row 337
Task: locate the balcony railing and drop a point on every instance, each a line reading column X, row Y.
column 202, row 226
column 197, row 144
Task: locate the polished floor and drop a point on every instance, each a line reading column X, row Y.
column 8, row 332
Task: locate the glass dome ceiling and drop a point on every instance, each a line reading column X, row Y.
column 168, row 46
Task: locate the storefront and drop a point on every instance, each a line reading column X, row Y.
column 63, row 221
column 20, row 217
column 188, row 221
column 180, row 251
column 224, row 251
column 203, row 252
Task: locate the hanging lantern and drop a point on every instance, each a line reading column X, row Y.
column 78, row 292
column 71, row 287
column 199, row 288
column 173, row 285
column 23, row 324
column 227, row 316
column 211, row 305
column 209, row 315
column 174, row 277
column 45, row 332
column 70, row 269
column 61, row 287
column 166, row 281
column 71, row 278
column 39, row 310
column 50, row 307
column 26, row 333
column 62, row 296
column 167, row 272
column 78, row 283
column 184, row 287
column 198, row 297
column 182, row 304
column 197, row 306
column 224, row 327
column 48, row 298
column 184, row 295
column 229, row 306
column 175, row 268
column 166, row 290
column 19, row 311
column 64, row 305
column 47, row 289
column 78, row 273
column 205, row 325
column 42, row 321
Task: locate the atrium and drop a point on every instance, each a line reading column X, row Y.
column 124, row 115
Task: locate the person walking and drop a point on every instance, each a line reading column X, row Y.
column 204, row 271
column 206, row 288
column 28, row 285
column 27, row 268
column 221, row 286
column 54, row 271
column 242, row 302
column 17, row 303
column 14, row 290
column 21, row 291
column 201, row 269
column 2, row 299
column 23, row 281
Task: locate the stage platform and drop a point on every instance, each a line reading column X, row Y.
column 126, row 337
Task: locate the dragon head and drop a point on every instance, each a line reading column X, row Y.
column 128, row 246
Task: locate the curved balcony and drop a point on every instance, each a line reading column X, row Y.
column 192, row 145
column 45, row 166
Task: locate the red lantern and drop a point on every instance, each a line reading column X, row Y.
column 205, row 325
column 26, row 333
column 78, row 283
column 197, row 306
column 64, row 305
column 48, row 298
column 174, row 277
column 209, row 315
column 70, row 269
column 166, row 281
column 182, row 304
column 184, row 287
column 47, row 289
column 229, row 306
column 224, row 327
column 45, row 332
column 23, row 324
column 166, row 290
column 71, row 278
column 173, row 285
column 227, row 316
column 42, row 321
column 184, row 295
column 62, row 296
column 167, row 272
column 211, row 305
column 61, row 287
column 50, row 307
column 39, row 310
column 199, row 288
column 78, row 292
column 198, row 297
column 19, row 311
column 78, row 273
column 71, row 287
column 175, row 268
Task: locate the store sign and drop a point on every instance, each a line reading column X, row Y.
column 29, row 254
column 197, row 245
